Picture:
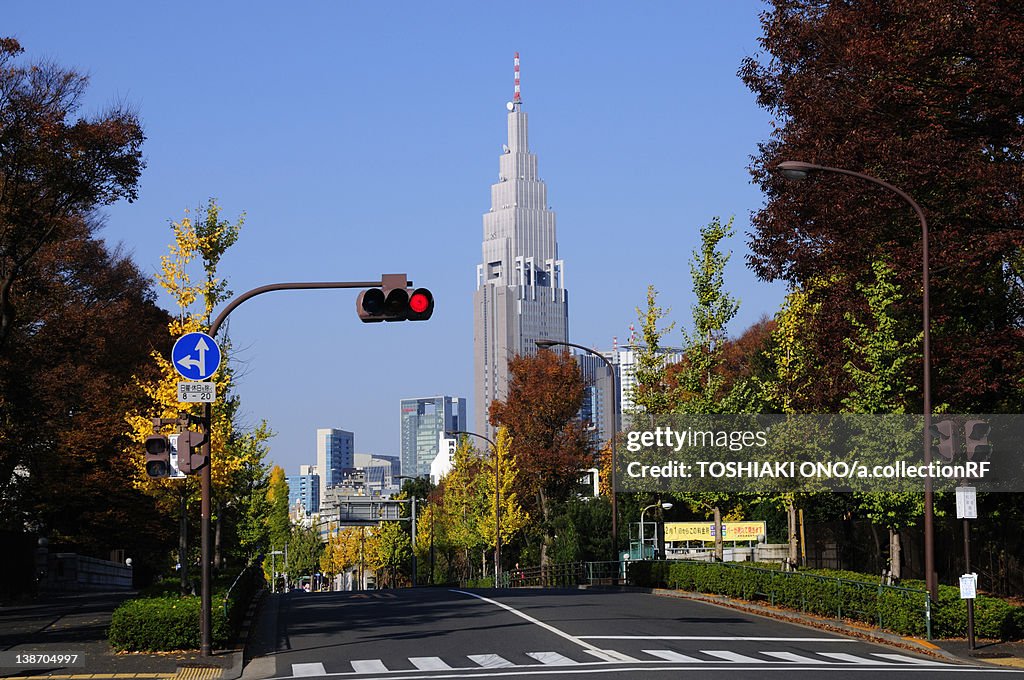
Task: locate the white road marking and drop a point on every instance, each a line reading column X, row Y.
column 300, row 669
column 552, row 659
column 369, row 666
column 713, row 637
column 908, row 659
column 726, row 655
column 611, row 655
column 848, row 658
column 669, row 655
column 490, row 661
column 429, row 663
column 790, row 656
column 537, row 622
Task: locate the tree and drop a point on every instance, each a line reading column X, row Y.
column 550, row 446
column 650, row 393
column 55, row 168
column 341, row 552
column 698, row 375
column 883, row 355
column 924, row 94
column 513, row 517
column 389, row 553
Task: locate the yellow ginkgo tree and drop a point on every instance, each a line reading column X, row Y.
column 236, row 457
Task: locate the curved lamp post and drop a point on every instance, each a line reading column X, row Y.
column 798, row 170
column 548, row 344
column 497, row 498
column 665, row 506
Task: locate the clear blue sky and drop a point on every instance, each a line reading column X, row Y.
column 361, row 138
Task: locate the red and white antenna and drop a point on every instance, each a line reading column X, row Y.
column 515, row 96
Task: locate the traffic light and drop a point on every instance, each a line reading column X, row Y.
column 190, row 457
column 394, row 301
column 158, row 456
column 943, row 431
column 978, row 447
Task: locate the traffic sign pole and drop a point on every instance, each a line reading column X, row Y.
column 205, row 632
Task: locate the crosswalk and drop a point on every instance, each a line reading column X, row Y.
column 651, row 656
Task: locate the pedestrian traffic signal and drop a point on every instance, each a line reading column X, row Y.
column 978, row 447
column 190, row 456
column 158, row 456
column 943, row 431
column 394, row 301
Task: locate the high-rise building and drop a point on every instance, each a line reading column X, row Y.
column 598, row 410
column 423, row 420
column 335, row 451
column 520, row 285
column 304, row 490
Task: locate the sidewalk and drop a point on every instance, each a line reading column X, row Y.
column 78, row 624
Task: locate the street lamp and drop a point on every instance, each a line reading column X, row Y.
column 497, row 498
column 666, row 506
column 548, row 344
column 798, row 170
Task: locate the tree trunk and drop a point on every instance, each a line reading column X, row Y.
column 791, row 521
column 878, row 546
column 719, row 542
column 183, row 547
column 894, row 554
column 216, row 539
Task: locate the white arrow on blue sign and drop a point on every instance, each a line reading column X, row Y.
column 195, row 356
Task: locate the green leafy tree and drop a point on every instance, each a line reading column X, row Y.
column 389, row 553
column 884, row 353
column 650, row 393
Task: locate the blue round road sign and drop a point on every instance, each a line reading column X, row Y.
column 196, row 356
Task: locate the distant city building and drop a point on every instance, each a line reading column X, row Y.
column 520, row 284
column 423, row 420
column 598, row 411
column 304, row 490
column 380, row 471
column 335, row 451
column 625, row 361
column 442, row 463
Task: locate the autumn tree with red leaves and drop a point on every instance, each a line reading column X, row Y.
column 926, row 95
column 548, row 441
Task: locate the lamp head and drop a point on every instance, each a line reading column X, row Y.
column 545, row 344
column 795, row 170
column 666, row 505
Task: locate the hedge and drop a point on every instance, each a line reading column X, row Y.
column 843, row 595
column 163, row 624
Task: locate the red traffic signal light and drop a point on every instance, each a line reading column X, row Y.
column 393, row 301
column 158, row 456
column 943, row 431
column 189, row 460
column 977, row 432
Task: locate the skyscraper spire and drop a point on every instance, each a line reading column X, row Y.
column 515, row 95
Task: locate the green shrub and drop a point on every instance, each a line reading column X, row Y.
column 839, row 594
column 162, row 624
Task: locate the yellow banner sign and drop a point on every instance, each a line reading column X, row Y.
column 705, row 531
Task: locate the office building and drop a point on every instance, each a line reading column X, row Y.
column 335, row 451
column 520, row 284
column 423, row 420
column 304, row 490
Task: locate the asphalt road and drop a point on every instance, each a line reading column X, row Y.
column 526, row 633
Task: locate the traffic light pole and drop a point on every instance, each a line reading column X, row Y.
column 205, row 629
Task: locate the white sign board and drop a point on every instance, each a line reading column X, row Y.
column 196, row 392
column 966, row 502
column 968, row 586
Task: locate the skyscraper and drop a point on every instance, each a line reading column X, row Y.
column 520, row 285
column 335, row 451
column 423, row 420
